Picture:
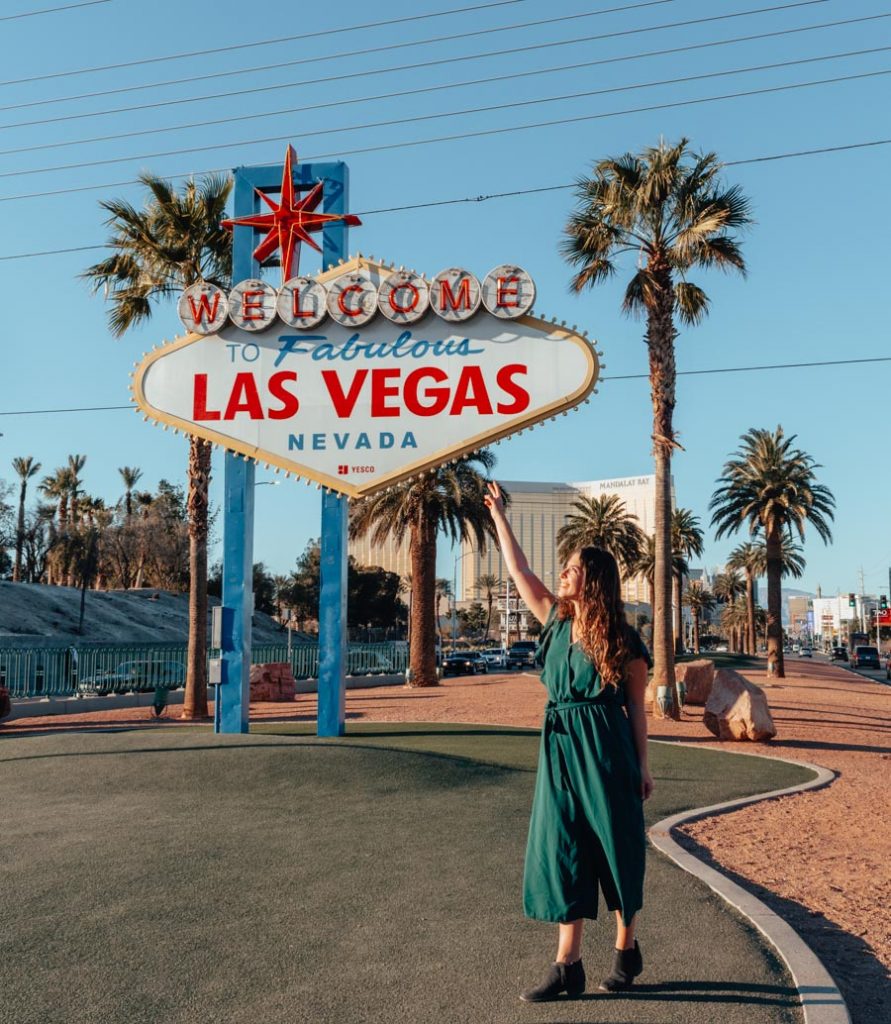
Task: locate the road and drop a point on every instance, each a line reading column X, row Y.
column 877, row 675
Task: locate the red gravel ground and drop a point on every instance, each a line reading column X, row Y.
column 820, row 859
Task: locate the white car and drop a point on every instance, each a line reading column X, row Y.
column 496, row 657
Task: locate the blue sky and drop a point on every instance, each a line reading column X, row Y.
column 817, row 256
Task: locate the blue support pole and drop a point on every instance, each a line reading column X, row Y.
column 335, row 518
column 233, row 693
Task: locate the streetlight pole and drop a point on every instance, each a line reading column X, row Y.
column 455, row 564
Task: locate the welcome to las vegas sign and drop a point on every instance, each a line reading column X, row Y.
column 366, row 374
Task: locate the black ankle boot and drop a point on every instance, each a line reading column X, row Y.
column 627, row 964
column 568, row 978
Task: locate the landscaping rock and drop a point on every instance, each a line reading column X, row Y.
column 272, row 681
column 698, row 677
column 737, row 709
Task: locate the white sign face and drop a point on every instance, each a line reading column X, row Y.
column 357, row 408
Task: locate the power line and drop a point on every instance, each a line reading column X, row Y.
column 627, row 376
column 52, row 10
column 413, row 45
column 449, row 114
column 450, row 85
column 287, row 39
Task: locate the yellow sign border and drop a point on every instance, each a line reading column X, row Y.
column 414, row 469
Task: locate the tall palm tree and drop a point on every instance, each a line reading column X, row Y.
column 686, row 540
column 75, row 464
column 602, row 522
column 175, row 241
column 728, row 586
column 131, row 476
column 746, row 558
column 443, row 593
column 668, row 210
column 734, row 619
column 770, row 485
column 57, row 487
column 25, row 467
column 489, row 584
column 450, row 500
column 700, row 601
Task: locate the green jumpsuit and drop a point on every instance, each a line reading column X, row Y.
column 586, row 827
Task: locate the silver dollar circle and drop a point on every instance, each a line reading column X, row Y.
column 203, row 308
column 508, row 292
column 352, row 299
column 252, row 305
column 403, row 297
column 301, row 302
column 455, row 294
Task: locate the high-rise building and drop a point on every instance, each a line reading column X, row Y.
column 538, row 510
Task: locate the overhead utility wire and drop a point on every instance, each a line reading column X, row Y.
column 381, row 49
column 52, row 10
column 624, row 376
column 477, row 134
column 507, row 195
column 439, row 88
column 536, row 101
column 285, row 39
column 398, row 46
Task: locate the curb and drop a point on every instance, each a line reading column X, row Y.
column 821, row 1000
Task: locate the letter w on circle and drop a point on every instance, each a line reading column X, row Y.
column 203, row 308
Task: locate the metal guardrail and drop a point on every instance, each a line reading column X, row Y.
column 96, row 669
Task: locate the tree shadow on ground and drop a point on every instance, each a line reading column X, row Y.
column 861, row 977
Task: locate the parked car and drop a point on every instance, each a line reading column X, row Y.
column 888, row 665
column 838, row 654
column 495, row 657
column 468, row 663
column 140, row 676
column 865, row 657
column 522, row 654
column 805, row 652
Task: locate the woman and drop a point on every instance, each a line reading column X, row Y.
column 586, row 829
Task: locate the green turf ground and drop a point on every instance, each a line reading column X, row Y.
column 174, row 876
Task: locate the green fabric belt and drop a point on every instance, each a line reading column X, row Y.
column 565, row 705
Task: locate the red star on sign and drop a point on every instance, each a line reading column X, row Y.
column 290, row 222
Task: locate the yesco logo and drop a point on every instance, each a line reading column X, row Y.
column 353, row 299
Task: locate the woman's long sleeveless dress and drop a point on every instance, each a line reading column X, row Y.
column 586, row 829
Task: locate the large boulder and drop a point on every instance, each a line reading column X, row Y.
column 698, row 677
column 737, row 709
column 272, row 681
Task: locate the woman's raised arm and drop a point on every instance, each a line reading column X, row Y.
column 536, row 596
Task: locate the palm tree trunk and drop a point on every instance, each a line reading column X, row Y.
column 679, row 620
column 422, row 646
column 488, row 612
column 695, row 615
column 750, row 613
column 660, row 343
column 774, row 601
column 19, row 535
column 195, row 699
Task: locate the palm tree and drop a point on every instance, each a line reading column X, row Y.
column 699, row 600
column 646, row 565
column 602, row 523
column 57, row 487
column 734, row 619
column 25, row 467
column 669, row 211
column 449, row 499
column 130, row 475
column 728, row 586
column 75, row 464
column 174, row 242
column 491, row 584
column 686, row 540
column 443, row 593
column 771, row 485
column 746, row 558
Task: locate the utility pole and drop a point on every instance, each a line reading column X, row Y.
column 862, row 595
column 507, row 611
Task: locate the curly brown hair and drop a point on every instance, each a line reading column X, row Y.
column 604, row 633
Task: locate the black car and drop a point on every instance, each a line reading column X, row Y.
column 466, row 664
column 839, row 654
column 866, row 657
column 522, row 654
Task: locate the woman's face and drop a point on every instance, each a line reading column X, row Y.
column 571, row 579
